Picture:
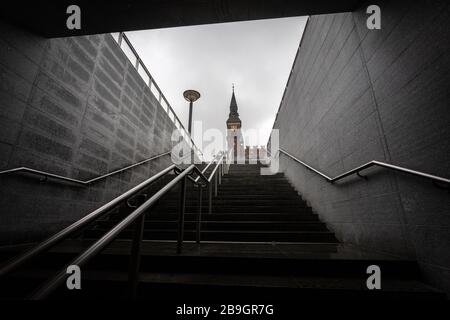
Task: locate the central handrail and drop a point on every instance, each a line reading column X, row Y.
column 81, row 182
column 138, row 214
column 100, row 244
column 367, row 165
column 78, row 225
column 208, row 165
column 218, row 164
column 216, row 175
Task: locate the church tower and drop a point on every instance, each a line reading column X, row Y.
column 234, row 135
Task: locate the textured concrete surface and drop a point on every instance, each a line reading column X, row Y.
column 75, row 107
column 357, row 95
column 47, row 18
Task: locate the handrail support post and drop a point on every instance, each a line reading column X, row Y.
column 181, row 216
column 199, row 216
column 210, row 199
column 215, row 183
column 362, row 176
column 135, row 259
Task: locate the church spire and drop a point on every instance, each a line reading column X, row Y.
column 233, row 105
column 233, row 118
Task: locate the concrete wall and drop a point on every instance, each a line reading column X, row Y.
column 357, row 95
column 74, row 107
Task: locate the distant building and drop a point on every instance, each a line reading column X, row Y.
column 235, row 139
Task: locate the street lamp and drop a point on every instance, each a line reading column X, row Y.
column 191, row 96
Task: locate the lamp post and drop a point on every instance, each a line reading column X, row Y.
column 191, row 96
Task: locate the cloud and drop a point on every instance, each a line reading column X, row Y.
column 255, row 55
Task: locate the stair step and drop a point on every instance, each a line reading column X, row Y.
column 245, row 286
column 223, row 261
column 254, row 174
column 104, row 285
column 252, row 271
column 247, row 192
column 256, row 185
column 230, row 235
column 236, row 216
column 239, row 180
column 237, row 209
column 256, row 197
column 243, row 189
column 243, row 203
column 228, row 225
column 238, row 202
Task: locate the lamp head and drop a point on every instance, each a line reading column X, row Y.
column 191, row 95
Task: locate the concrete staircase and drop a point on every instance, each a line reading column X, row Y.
column 249, row 208
column 261, row 241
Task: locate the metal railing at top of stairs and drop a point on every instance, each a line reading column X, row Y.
column 137, row 216
column 139, row 65
column 215, row 178
column 47, row 175
column 357, row 170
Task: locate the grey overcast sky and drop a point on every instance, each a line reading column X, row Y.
column 256, row 56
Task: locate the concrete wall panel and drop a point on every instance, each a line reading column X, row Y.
column 357, row 95
column 74, row 107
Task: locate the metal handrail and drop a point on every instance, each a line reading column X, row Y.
column 217, row 176
column 139, row 62
column 219, row 163
column 365, row 166
column 78, row 225
column 217, row 180
column 98, row 213
column 94, row 249
column 100, row 244
column 208, row 165
column 138, row 214
column 81, row 182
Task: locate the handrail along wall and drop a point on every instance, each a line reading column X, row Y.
column 367, row 165
column 136, row 216
column 76, row 181
column 78, row 225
